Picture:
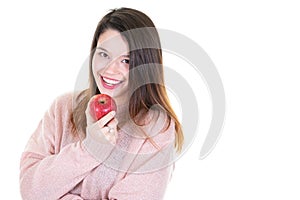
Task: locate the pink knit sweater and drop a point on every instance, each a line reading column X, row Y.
column 57, row 165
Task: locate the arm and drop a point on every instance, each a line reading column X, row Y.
column 49, row 171
column 52, row 176
column 142, row 186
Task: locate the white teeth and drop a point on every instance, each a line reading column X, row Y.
column 111, row 82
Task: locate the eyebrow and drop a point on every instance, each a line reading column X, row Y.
column 103, row 49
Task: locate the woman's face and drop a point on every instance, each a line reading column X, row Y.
column 110, row 65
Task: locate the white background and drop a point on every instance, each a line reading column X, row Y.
column 255, row 46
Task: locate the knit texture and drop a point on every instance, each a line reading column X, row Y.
column 57, row 165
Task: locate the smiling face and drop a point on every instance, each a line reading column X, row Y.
column 110, row 65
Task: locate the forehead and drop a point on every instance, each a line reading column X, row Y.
column 112, row 41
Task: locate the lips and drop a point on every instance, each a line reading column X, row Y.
column 110, row 83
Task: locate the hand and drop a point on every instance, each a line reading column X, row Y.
column 103, row 130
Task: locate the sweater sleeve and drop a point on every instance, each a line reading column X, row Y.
column 142, row 186
column 47, row 170
column 150, row 171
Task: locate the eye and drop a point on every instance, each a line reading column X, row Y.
column 125, row 61
column 103, row 54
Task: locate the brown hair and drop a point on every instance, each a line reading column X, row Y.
column 145, row 50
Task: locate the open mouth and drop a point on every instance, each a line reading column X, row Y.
column 110, row 83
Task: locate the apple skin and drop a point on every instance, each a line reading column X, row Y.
column 101, row 104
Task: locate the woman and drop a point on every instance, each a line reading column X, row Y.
column 127, row 154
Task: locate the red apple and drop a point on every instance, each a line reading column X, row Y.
column 101, row 104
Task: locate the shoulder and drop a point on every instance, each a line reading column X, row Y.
column 154, row 143
column 157, row 121
column 62, row 102
column 61, row 109
column 160, row 130
column 59, row 118
column 65, row 98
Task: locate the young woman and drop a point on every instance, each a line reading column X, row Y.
column 127, row 154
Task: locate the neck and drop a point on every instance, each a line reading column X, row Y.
column 122, row 110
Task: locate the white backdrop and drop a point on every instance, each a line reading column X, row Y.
column 254, row 45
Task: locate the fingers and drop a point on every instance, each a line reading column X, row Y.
column 108, row 127
column 103, row 130
column 106, row 119
column 111, row 137
column 113, row 123
column 110, row 131
column 105, row 134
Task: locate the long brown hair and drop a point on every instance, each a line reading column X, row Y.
column 145, row 50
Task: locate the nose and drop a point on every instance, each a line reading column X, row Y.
column 113, row 66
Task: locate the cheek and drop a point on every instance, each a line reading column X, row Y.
column 125, row 72
column 98, row 63
column 94, row 70
column 96, row 67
